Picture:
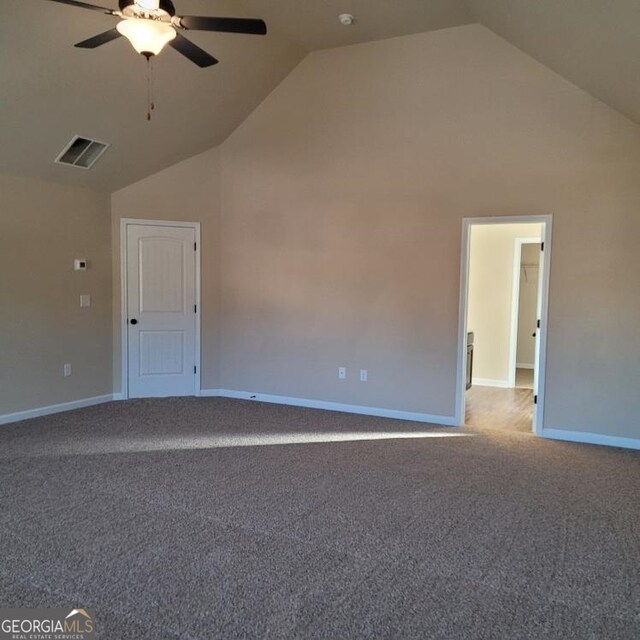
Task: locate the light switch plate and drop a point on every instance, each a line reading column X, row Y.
column 85, row 300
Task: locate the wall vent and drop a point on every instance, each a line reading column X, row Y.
column 81, row 152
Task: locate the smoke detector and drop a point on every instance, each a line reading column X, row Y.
column 346, row 19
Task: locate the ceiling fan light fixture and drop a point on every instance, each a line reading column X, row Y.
column 148, row 5
column 148, row 37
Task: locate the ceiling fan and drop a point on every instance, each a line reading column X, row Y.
column 151, row 24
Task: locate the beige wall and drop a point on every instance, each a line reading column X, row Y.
column 188, row 191
column 341, row 204
column 528, row 304
column 43, row 227
column 489, row 308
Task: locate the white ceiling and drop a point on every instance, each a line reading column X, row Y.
column 313, row 24
column 51, row 90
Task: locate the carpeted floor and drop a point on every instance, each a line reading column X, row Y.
column 193, row 518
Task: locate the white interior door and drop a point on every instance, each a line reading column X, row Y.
column 161, row 312
column 536, row 361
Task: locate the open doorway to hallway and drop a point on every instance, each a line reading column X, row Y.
column 503, row 305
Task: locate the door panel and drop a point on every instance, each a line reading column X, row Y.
column 161, row 300
column 161, row 352
column 162, row 285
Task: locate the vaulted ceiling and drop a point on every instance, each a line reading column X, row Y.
column 51, row 90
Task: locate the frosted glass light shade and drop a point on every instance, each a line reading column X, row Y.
column 147, row 36
column 149, row 5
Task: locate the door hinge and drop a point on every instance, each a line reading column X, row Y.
column 194, row 246
column 542, row 246
column 194, row 368
column 535, row 399
column 195, row 309
column 538, row 324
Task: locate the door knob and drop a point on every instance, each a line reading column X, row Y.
column 133, row 321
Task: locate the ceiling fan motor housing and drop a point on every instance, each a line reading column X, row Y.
column 165, row 5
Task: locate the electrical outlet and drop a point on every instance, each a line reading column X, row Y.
column 342, row 373
column 363, row 375
column 67, row 370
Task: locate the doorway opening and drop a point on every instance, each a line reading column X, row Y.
column 502, row 323
column 160, row 308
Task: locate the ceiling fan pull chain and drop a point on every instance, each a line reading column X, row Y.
column 148, row 90
column 153, row 84
column 150, row 101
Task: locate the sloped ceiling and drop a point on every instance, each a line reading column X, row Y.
column 593, row 43
column 51, row 91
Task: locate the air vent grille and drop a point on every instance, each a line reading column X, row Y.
column 81, row 152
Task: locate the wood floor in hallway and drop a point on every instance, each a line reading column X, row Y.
column 524, row 378
column 498, row 408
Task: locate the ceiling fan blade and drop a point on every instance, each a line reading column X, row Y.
column 192, row 51
column 229, row 25
column 99, row 40
column 85, row 5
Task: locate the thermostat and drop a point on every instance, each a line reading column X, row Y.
column 79, row 264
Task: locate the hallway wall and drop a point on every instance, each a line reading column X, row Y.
column 528, row 305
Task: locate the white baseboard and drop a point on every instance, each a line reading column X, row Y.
column 448, row 421
column 118, row 396
column 210, row 393
column 523, row 365
column 488, row 382
column 591, row 438
column 54, row 408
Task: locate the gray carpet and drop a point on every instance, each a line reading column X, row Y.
column 193, row 518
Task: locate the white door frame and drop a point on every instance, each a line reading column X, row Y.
column 124, row 342
column 541, row 352
column 515, row 305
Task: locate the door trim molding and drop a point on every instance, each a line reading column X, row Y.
column 124, row 343
column 467, row 223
